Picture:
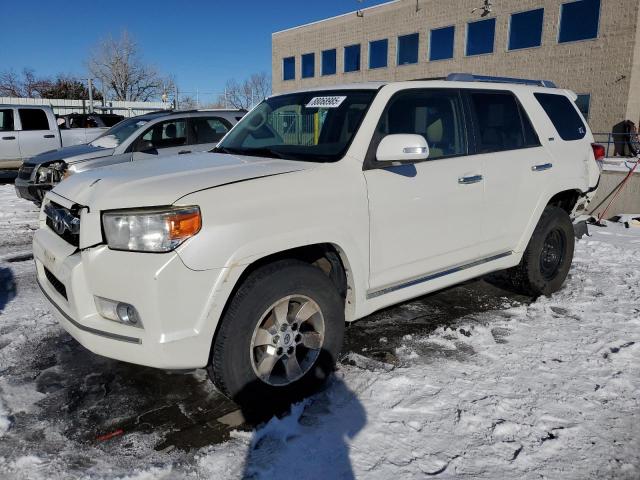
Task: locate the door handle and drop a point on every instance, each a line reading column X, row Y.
column 182, row 152
column 470, row 180
column 49, row 136
column 542, row 167
column 8, row 138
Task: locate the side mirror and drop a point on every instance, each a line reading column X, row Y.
column 147, row 146
column 402, row 148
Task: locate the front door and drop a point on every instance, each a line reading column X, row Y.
column 164, row 138
column 425, row 217
column 9, row 144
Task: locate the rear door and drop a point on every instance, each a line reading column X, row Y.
column 164, row 138
column 9, row 144
column 37, row 133
column 425, row 217
column 509, row 148
column 207, row 132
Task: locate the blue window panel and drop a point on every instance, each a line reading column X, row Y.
column 352, row 58
column 584, row 104
column 481, row 37
column 289, row 68
column 329, row 62
column 526, row 29
column 441, row 43
column 308, row 65
column 579, row 20
column 378, row 53
column 408, row 48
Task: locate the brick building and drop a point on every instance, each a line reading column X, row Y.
column 589, row 46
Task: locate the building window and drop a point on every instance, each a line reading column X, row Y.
column 352, row 58
column 378, row 50
column 308, row 65
column 441, row 43
column 289, row 68
column 408, row 49
column 525, row 30
column 584, row 103
column 579, row 20
column 329, row 62
column 481, row 37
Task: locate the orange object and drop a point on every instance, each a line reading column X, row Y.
column 109, row 436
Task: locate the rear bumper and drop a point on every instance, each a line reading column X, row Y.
column 174, row 302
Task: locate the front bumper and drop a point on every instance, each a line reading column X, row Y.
column 31, row 191
column 177, row 305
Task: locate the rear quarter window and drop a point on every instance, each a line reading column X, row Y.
column 563, row 114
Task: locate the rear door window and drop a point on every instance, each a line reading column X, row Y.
column 6, row 120
column 563, row 114
column 33, row 119
column 209, row 129
column 500, row 123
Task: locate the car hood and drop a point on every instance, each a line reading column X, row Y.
column 163, row 181
column 75, row 153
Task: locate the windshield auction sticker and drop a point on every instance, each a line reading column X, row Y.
column 326, row 102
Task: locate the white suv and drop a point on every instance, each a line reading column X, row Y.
column 318, row 207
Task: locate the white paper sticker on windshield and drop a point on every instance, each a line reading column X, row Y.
column 326, row 102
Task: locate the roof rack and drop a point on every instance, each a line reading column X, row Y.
column 470, row 77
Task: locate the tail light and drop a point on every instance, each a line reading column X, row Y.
column 598, row 151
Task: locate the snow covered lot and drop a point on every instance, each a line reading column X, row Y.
column 468, row 383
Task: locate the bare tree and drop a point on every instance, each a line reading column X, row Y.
column 31, row 86
column 247, row 93
column 119, row 66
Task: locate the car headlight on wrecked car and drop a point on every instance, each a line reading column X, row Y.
column 155, row 230
column 52, row 172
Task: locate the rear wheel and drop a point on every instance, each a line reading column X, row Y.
column 280, row 336
column 547, row 259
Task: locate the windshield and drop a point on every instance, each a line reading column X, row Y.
column 119, row 133
column 314, row 126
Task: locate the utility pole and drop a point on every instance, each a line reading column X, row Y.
column 175, row 100
column 90, row 84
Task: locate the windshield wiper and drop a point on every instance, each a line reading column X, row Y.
column 251, row 152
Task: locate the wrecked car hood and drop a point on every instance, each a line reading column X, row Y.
column 75, row 153
column 162, row 181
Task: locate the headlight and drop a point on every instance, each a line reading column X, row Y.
column 150, row 230
column 51, row 173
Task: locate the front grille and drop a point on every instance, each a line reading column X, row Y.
column 55, row 283
column 64, row 222
column 25, row 172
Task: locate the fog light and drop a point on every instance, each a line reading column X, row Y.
column 118, row 311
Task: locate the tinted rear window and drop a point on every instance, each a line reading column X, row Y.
column 501, row 123
column 33, row 119
column 563, row 114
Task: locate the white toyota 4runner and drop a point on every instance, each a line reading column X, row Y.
column 318, row 207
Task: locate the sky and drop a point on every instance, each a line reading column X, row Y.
column 202, row 43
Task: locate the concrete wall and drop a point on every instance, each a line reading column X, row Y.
column 603, row 67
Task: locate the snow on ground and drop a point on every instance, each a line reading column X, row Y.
column 549, row 389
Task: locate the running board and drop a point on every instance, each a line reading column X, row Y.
column 433, row 276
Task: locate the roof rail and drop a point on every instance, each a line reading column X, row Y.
column 470, row 77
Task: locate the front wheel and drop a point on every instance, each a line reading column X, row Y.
column 280, row 336
column 547, row 259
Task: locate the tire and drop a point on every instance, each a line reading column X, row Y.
column 249, row 337
column 547, row 259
